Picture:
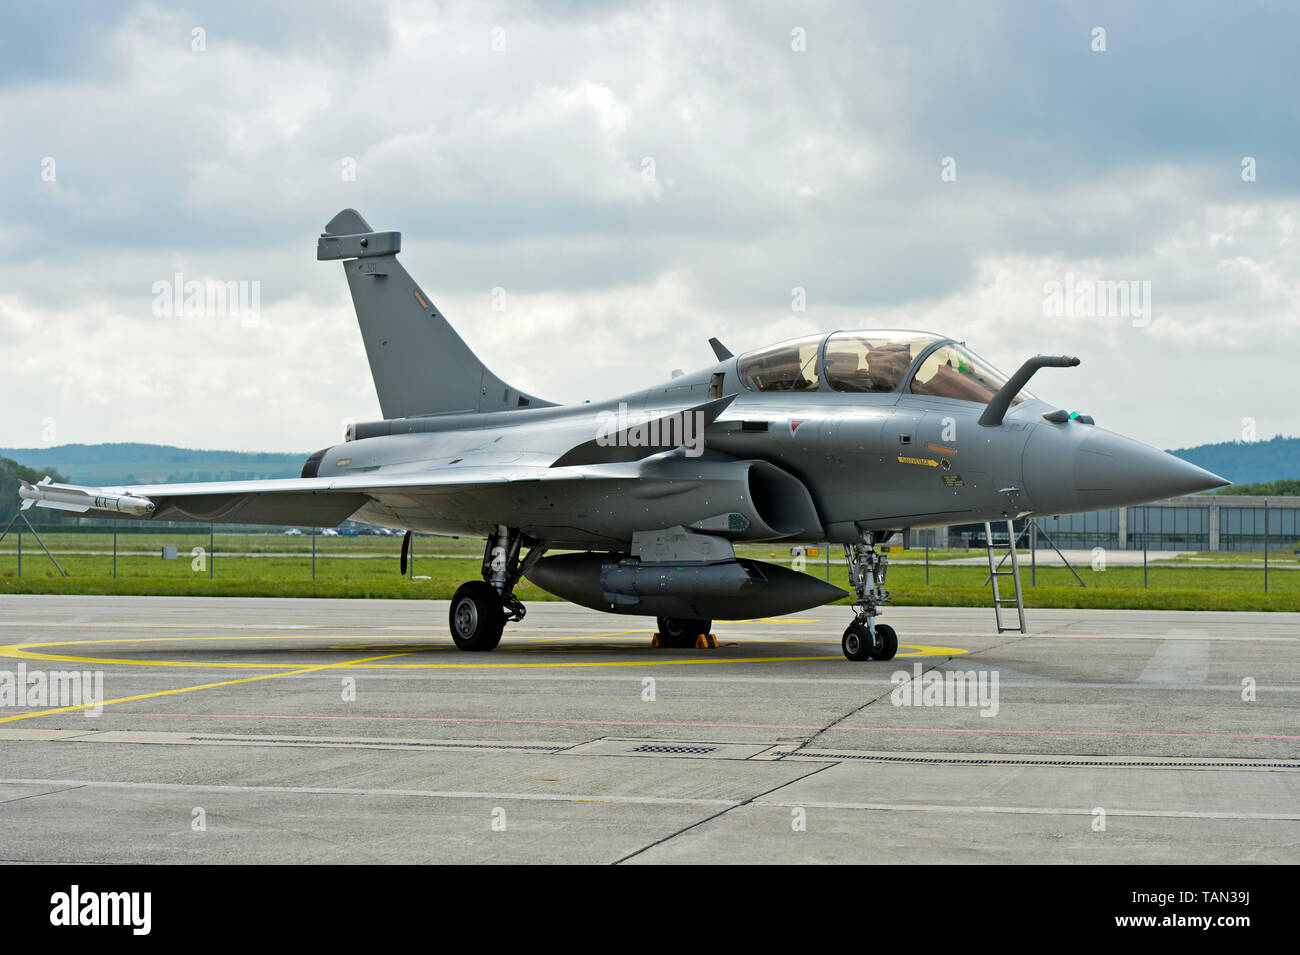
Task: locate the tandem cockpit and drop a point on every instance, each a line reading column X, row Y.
column 874, row 362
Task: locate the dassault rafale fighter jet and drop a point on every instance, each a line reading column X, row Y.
column 846, row 437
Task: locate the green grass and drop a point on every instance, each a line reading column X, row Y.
column 153, row 539
column 1172, row 586
column 1276, row 555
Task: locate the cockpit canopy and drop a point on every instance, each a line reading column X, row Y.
column 789, row 366
column 874, row 362
column 952, row 371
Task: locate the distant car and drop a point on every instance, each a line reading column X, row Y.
column 347, row 533
column 293, row 532
column 329, row 532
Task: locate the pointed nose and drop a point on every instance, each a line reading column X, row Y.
column 1112, row 469
column 1069, row 467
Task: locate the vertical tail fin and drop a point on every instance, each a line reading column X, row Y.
column 419, row 364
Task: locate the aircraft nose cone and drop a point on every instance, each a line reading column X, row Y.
column 1112, row 469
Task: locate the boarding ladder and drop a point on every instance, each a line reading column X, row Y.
column 999, row 602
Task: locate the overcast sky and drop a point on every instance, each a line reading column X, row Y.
column 637, row 177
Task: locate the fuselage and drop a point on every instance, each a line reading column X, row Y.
column 881, row 428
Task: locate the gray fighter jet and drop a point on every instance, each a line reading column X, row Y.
column 846, row 437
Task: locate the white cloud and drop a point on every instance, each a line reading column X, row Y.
column 523, row 169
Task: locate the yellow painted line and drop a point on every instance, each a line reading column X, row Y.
column 537, row 636
column 23, row 651
column 589, row 663
column 732, row 623
column 190, row 689
column 922, row 651
column 19, row 650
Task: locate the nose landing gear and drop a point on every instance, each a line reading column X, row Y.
column 865, row 639
column 860, row 643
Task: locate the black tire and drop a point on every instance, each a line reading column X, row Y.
column 476, row 617
column 887, row 642
column 681, row 631
column 856, row 642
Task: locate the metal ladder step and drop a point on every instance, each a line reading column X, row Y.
column 1014, row 573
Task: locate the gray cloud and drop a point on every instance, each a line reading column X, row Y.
column 524, row 169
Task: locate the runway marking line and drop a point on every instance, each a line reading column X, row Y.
column 1158, row 734
column 188, row 689
column 639, row 800
column 25, row 651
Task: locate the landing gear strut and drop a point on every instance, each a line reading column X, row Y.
column 481, row 609
column 865, row 639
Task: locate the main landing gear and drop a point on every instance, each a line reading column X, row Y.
column 681, row 632
column 865, row 639
column 480, row 609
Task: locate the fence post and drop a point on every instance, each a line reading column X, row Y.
column 115, row 550
column 1266, row 545
column 1033, row 552
column 313, row 553
column 212, row 549
column 20, row 550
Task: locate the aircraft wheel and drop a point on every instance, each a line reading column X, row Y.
column 680, row 631
column 856, row 643
column 477, row 616
column 886, row 642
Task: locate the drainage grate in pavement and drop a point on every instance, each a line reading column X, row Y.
column 1137, row 764
column 659, row 748
column 668, row 749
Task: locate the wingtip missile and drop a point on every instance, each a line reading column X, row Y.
column 70, row 497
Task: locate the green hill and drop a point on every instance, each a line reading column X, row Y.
column 1242, row 462
column 11, row 472
column 1284, row 487
column 101, row 464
